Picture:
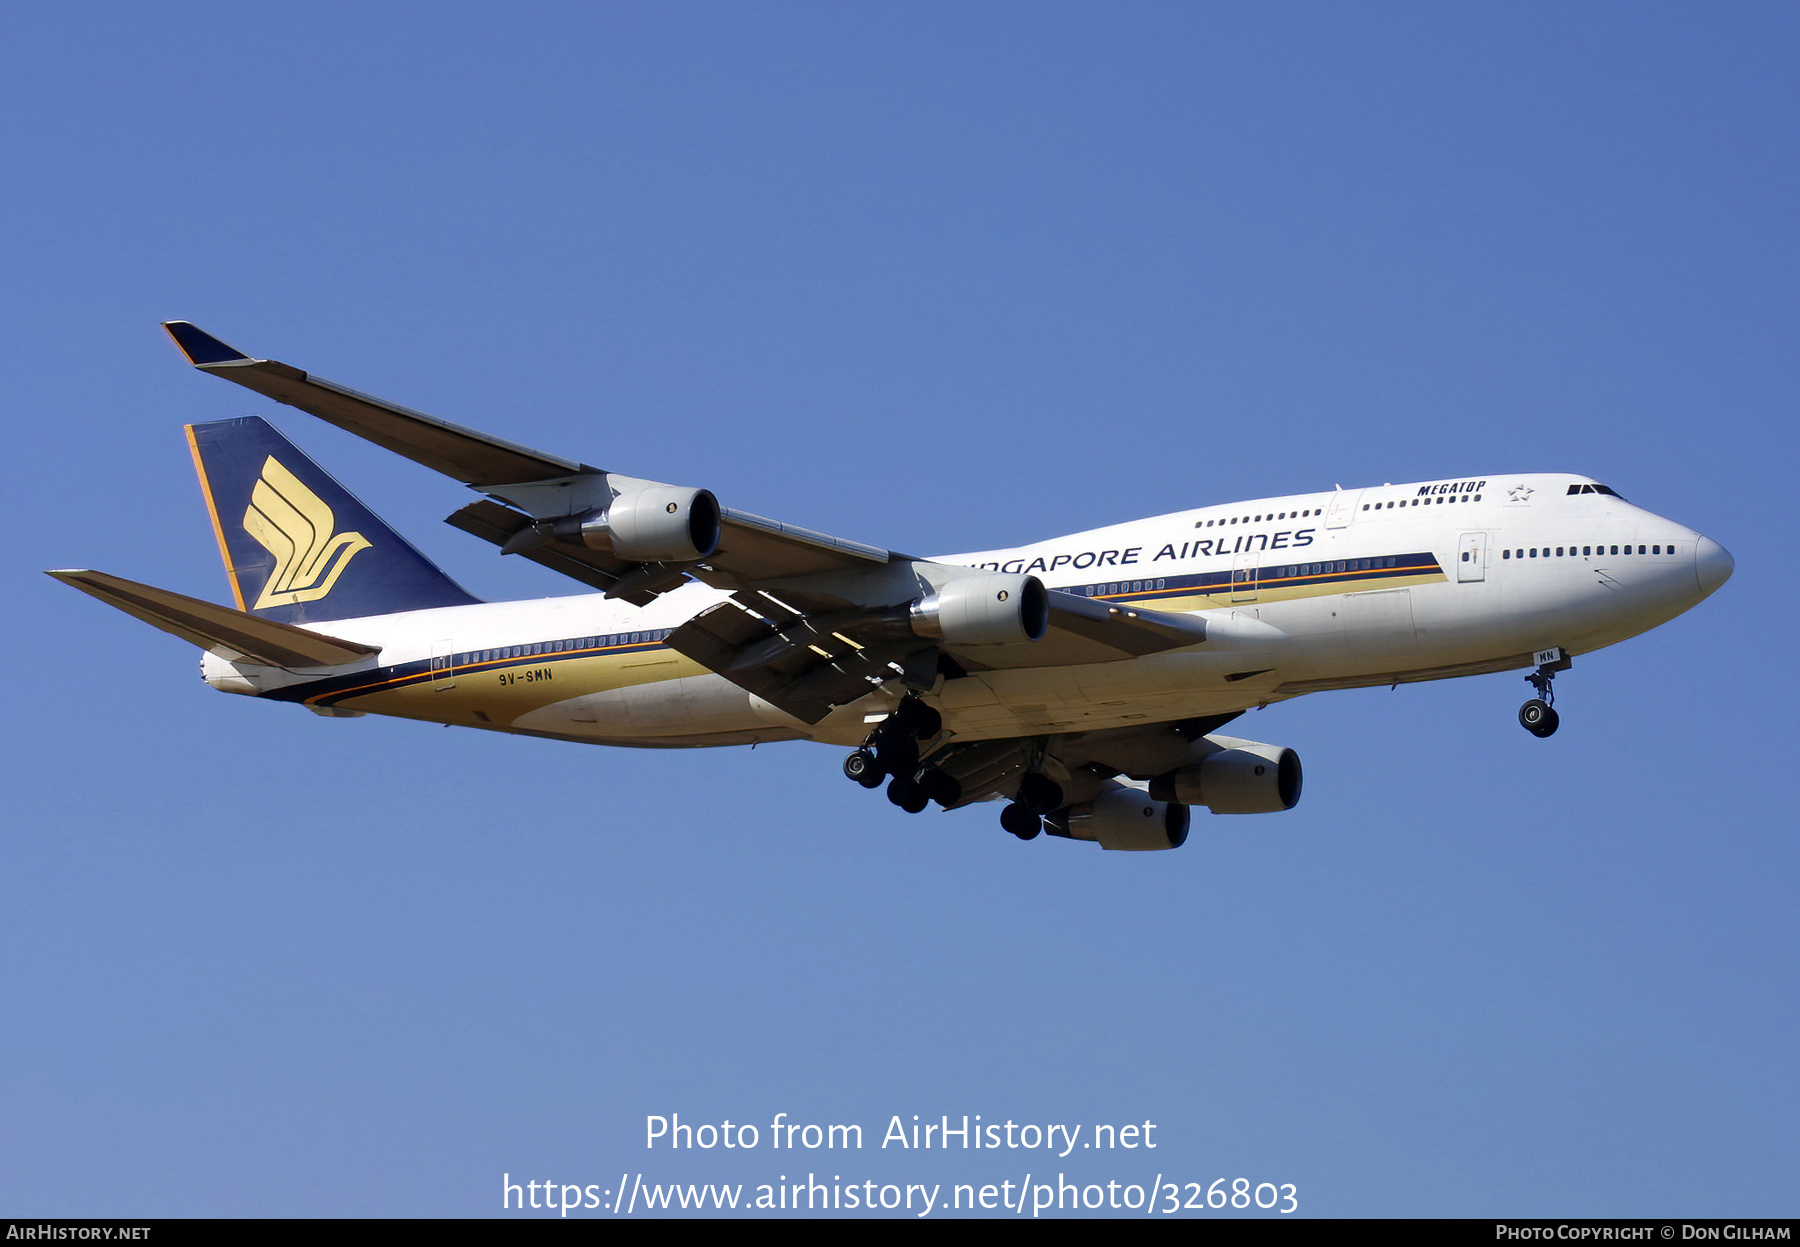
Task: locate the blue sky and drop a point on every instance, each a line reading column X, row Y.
column 937, row 277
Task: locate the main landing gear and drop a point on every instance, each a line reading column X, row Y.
column 1021, row 821
column 892, row 753
column 1538, row 716
column 1037, row 796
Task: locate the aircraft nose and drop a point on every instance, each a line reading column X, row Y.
column 1713, row 564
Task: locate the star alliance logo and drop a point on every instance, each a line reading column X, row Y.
column 295, row 525
column 1520, row 493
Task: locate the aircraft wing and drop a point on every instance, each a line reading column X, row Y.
column 813, row 621
column 538, row 486
column 475, row 459
column 751, row 550
column 806, row 653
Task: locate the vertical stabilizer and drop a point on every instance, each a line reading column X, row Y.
column 298, row 546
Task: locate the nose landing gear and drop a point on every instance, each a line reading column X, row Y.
column 1538, row 716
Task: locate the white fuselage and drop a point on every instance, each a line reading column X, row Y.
column 1302, row 593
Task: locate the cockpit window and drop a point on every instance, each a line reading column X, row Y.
column 1608, row 490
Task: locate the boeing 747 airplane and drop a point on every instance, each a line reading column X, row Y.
column 1083, row 680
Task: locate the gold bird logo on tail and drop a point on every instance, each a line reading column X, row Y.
column 296, row 526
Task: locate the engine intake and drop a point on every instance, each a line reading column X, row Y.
column 1244, row 778
column 662, row 524
column 998, row 609
column 1123, row 818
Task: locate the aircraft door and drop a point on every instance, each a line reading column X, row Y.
column 443, row 669
column 1243, row 577
column 1343, row 508
column 1471, row 557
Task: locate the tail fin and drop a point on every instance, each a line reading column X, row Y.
column 298, row 547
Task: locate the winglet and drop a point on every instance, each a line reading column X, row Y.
column 200, row 347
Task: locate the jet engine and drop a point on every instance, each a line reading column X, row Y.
column 1123, row 818
column 1243, row 777
column 660, row 524
column 996, row 609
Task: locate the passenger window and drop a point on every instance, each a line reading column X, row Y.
column 1640, row 549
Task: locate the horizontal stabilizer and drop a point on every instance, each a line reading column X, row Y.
column 227, row 632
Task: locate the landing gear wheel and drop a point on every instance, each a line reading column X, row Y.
column 1538, row 718
column 862, row 767
column 1021, row 822
column 900, row 757
column 941, row 787
column 1039, row 793
column 907, row 795
column 916, row 719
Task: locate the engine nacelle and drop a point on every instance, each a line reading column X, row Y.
column 1243, row 778
column 661, row 524
column 1123, row 818
column 998, row 609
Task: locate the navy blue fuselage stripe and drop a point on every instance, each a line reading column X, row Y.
column 1275, row 576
